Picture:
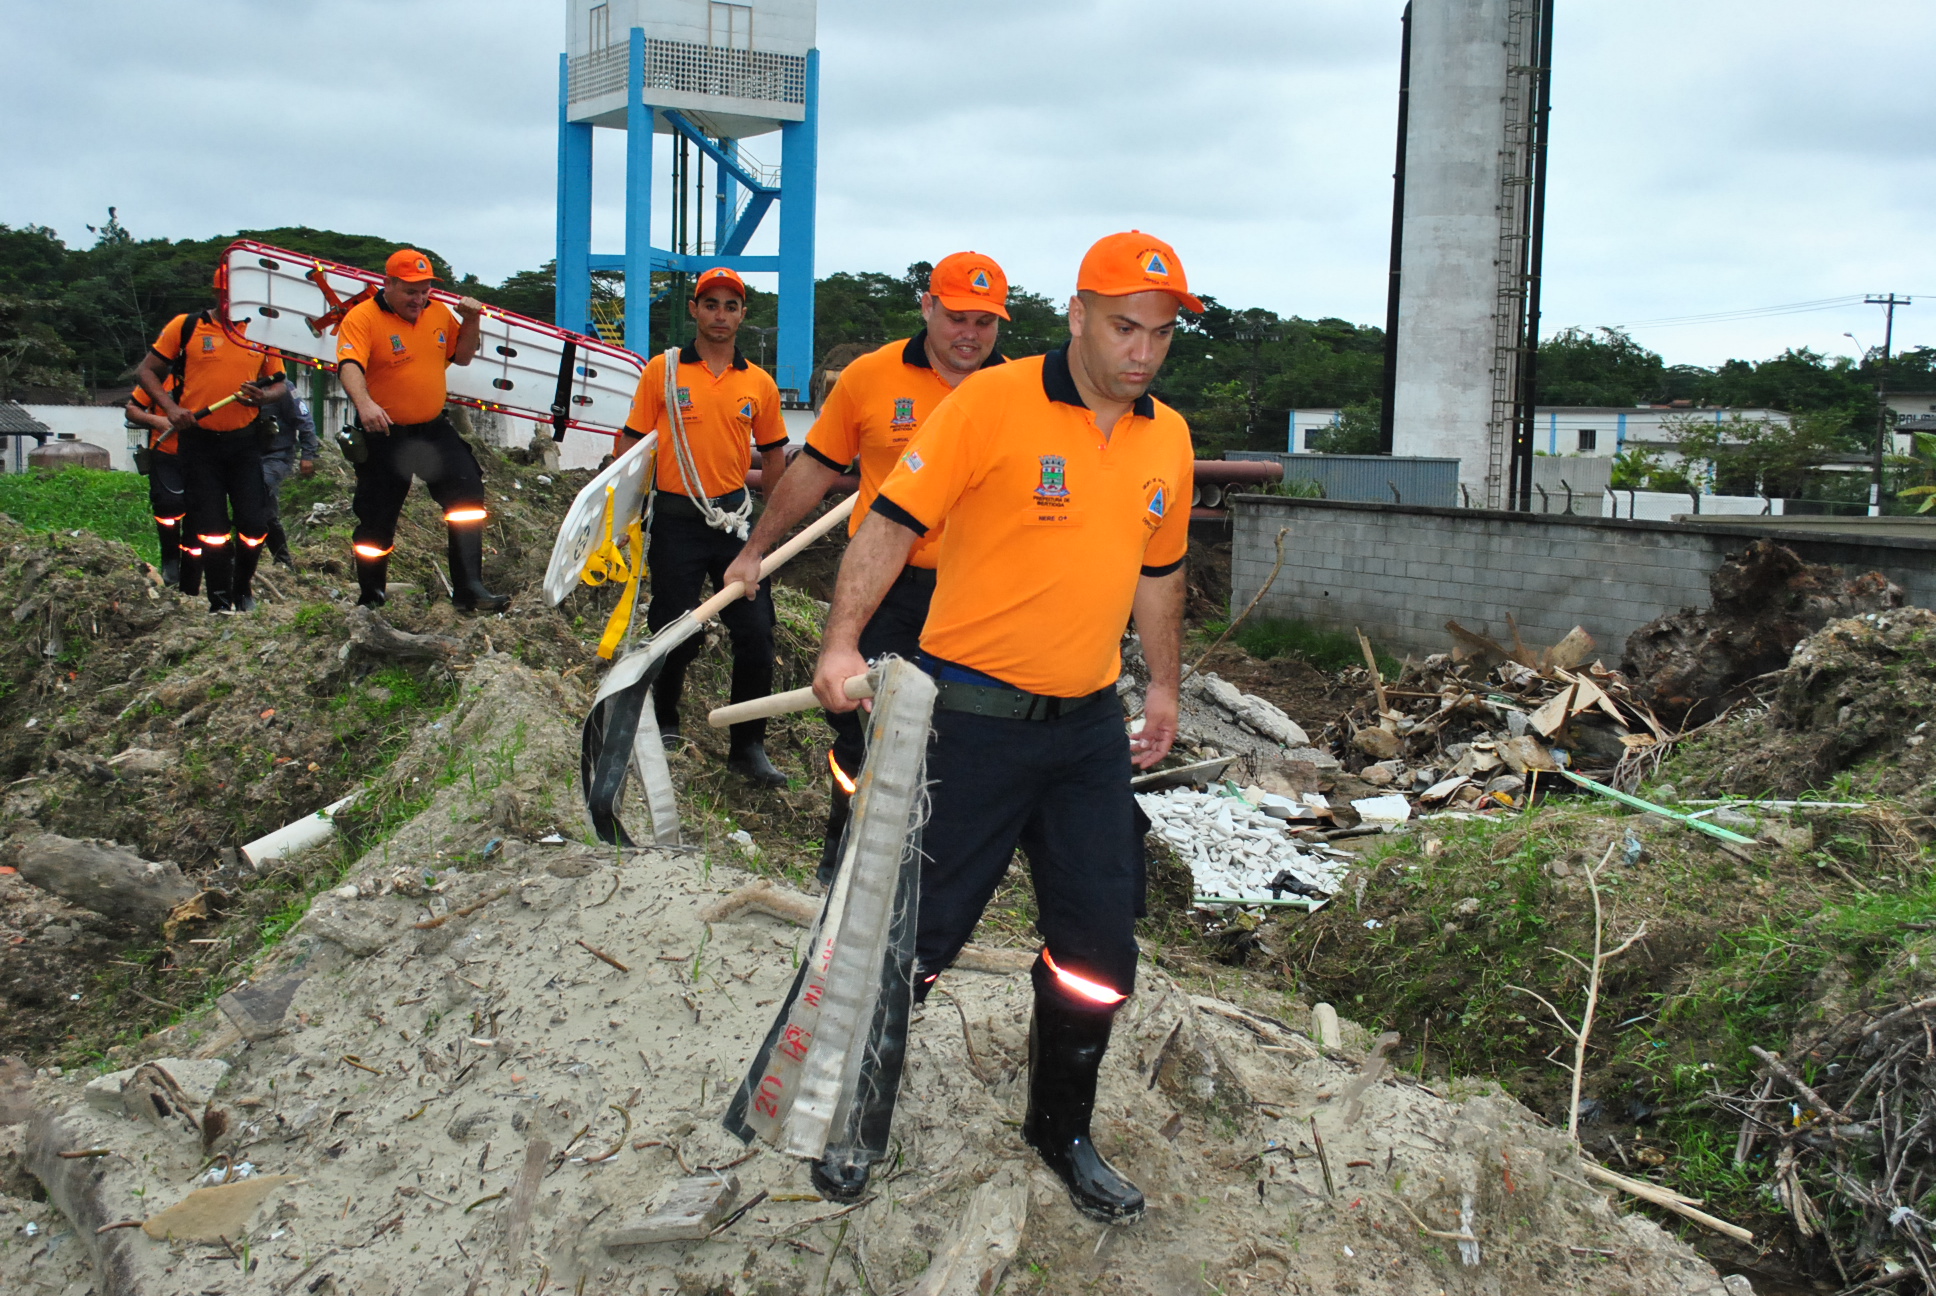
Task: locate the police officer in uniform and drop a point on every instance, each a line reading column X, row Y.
column 1065, row 492
column 210, row 388
column 872, row 413
column 723, row 406
column 391, row 354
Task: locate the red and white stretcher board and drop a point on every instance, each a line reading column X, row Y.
column 524, row 367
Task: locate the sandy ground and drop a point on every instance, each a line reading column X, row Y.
column 443, row 1101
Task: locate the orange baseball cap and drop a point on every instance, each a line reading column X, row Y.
column 409, row 265
column 716, row 276
column 1134, row 262
column 969, row 281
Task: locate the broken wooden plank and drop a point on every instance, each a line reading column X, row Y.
column 693, row 1209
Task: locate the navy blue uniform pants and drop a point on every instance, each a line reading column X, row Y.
column 683, row 555
column 223, row 473
column 1058, row 789
column 432, row 452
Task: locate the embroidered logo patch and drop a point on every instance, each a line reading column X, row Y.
column 913, row 461
column 903, row 420
column 685, row 400
column 979, row 281
column 1054, row 485
column 440, row 337
column 208, row 344
column 747, row 409
column 396, row 345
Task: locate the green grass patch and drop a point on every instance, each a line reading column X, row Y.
column 113, row 505
column 1327, row 650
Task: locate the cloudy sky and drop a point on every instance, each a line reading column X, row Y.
column 1708, row 159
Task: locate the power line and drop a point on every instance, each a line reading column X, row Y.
column 1747, row 313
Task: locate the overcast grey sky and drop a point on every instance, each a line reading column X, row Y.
column 1706, row 158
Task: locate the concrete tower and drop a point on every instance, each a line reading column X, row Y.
column 710, row 75
column 1472, row 172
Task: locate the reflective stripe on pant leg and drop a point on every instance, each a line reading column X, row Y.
column 1081, row 844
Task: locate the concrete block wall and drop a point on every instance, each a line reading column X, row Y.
column 1399, row 572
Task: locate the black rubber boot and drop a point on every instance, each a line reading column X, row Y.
column 279, row 545
column 467, row 572
column 750, row 763
column 372, row 574
column 217, row 570
column 191, row 573
column 1066, row 1047
column 242, row 578
column 839, row 809
column 170, row 537
column 671, row 739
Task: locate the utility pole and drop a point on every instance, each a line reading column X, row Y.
column 1889, row 304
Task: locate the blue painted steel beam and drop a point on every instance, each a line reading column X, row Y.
column 727, row 161
column 638, row 200
column 799, row 160
column 735, row 239
column 572, row 294
column 727, row 201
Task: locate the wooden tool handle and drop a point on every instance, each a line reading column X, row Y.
column 782, row 704
column 832, row 518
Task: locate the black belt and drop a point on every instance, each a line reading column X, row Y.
column 1011, row 704
column 919, row 577
column 671, row 502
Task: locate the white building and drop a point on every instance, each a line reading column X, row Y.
column 1592, row 430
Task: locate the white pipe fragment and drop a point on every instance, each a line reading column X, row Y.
column 291, row 838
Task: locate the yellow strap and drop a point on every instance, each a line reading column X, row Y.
column 605, row 562
column 634, row 573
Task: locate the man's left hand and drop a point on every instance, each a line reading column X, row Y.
column 1159, row 729
column 250, row 394
column 307, row 467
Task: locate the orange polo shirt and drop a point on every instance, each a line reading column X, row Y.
column 403, row 363
column 725, row 416
column 1049, row 524
column 160, row 442
column 216, row 368
column 873, row 411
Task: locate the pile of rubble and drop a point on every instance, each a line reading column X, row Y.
column 1239, row 845
column 1473, row 729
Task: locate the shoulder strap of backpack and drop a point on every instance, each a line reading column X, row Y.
column 178, row 367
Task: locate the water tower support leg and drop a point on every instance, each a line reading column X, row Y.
column 799, row 150
column 572, row 302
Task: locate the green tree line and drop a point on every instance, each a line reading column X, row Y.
column 75, row 318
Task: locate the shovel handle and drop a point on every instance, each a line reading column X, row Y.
column 826, row 522
column 801, row 699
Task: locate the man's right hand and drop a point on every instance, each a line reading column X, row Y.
column 837, row 666
column 746, row 569
column 372, row 416
column 180, row 419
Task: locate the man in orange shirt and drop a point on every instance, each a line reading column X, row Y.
column 167, row 493
column 879, row 403
column 391, row 353
column 1065, row 491
column 211, row 389
column 721, row 407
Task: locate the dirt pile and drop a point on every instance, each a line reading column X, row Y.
column 1854, row 700
column 482, row 1059
column 1689, row 665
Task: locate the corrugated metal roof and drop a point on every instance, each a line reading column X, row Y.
column 15, row 420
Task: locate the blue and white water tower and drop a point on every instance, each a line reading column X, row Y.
column 711, row 75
